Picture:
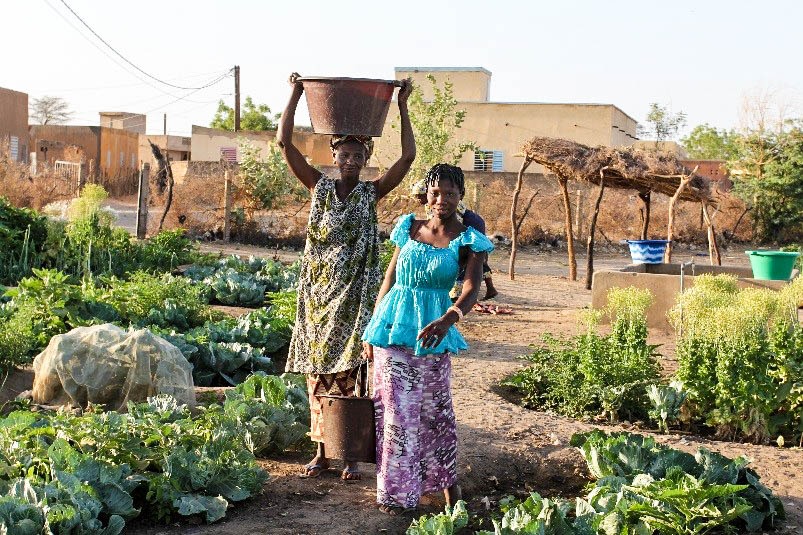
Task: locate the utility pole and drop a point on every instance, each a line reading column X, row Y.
column 236, row 98
column 165, row 127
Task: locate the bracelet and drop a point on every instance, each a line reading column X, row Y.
column 456, row 311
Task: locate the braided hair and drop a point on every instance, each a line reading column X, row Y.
column 444, row 171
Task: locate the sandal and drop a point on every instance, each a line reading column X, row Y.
column 351, row 474
column 395, row 510
column 312, row 470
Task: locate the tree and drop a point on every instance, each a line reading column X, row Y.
column 49, row 110
column 434, row 124
column 768, row 175
column 705, row 142
column 664, row 125
column 252, row 117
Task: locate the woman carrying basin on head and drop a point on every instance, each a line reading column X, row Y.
column 340, row 272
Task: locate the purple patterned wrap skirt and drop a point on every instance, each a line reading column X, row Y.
column 416, row 436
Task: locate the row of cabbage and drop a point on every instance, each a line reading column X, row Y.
column 639, row 487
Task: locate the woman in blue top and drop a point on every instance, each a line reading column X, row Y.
column 410, row 338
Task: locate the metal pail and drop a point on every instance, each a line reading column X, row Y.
column 349, row 431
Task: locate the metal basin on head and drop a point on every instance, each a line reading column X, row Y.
column 355, row 106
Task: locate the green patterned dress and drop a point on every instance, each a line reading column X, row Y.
column 339, row 280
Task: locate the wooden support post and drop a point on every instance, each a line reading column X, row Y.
column 514, row 230
column 645, row 213
column 578, row 215
column 591, row 230
column 142, row 201
column 227, row 207
column 670, row 226
column 567, row 209
column 713, row 248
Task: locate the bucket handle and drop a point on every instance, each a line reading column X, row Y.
column 363, row 386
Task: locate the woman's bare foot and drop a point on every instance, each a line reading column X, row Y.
column 453, row 494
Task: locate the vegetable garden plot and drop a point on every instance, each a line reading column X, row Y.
column 641, row 487
column 90, row 473
column 740, row 364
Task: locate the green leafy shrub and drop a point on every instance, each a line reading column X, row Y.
column 23, row 234
column 740, row 357
column 42, row 306
column 166, row 251
column 594, row 374
column 267, row 182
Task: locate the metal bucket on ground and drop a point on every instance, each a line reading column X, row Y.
column 349, row 429
column 356, row 106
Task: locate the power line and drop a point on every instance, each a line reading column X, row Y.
column 88, row 27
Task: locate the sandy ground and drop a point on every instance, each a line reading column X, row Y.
column 504, row 449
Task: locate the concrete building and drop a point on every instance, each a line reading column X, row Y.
column 14, row 124
column 213, row 144
column 133, row 122
column 501, row 128
column 177, row 148
column 110, row 155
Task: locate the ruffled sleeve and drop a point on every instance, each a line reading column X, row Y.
column 401, row 233
column 475, row 240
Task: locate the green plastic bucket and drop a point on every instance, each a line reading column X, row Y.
column 772, row 265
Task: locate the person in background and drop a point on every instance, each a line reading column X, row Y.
column 410, row 339
column 340, row 271
column 469, row 218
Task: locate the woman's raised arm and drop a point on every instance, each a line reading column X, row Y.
column 305, row 173
column 395, row 174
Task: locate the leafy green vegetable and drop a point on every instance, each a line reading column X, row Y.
column 593, row 374
column 740, row 358
column 446, row 523
column 666, row 401
column 666, row 489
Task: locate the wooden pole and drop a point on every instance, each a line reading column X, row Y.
column 670, row 226
column 142, row 201
column 578, row 215
column 514, row 230
column 645, row 213
column 227, row 207
column 591, row 229
column 713, row 248
column 236, row 98
column 567, row 209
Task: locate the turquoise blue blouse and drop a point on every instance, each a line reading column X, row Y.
column 424, row 276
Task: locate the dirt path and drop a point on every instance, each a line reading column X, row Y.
column 504, row 449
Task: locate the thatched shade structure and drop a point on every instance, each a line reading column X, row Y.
column 621, row 168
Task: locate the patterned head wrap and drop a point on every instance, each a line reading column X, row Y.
column 365, row 141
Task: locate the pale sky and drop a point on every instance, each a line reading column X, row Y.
column 700, row 57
